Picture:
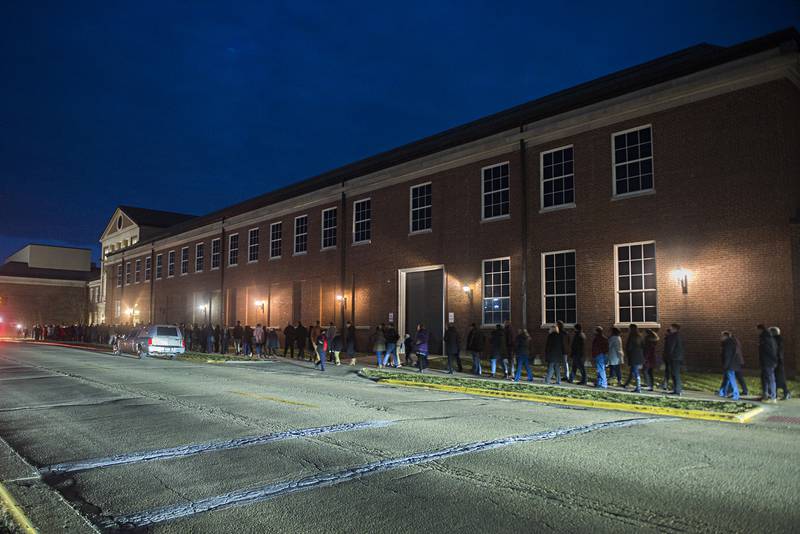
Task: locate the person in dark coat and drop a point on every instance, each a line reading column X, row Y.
column 300, row 339
column 238, row 333
column 475, row 343
column 634, row 348
column 509, row 355
column 554, row 355
column 497, row 346
column 452, row 347
column 197, row 335
column 522, row 350
column 350, row 342
column 577, row 353
column 730, row 364
column 392, row 337
column 650, row 357
column 217, row 339
column 247, row 340
column 564, row 335
column 600, row 355
column 288, row 340
column 226, row 339
column 673, row 348
column 321, row 349
column 335, row 346
column 739, row 374
column 665, row 356
column 780, row 373
column 421, row 344
column 768, row 359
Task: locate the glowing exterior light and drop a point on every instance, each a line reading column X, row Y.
column 682, row 275
column 339, row 297
column 466, row 289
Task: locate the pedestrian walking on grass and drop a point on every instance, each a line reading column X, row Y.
column 768, row 359
column 497, row 345
column 554, row 355
column 288, row 340
column 475, row 343
column 577, row 353
column 421, row 344
column 616, row 355
column 650, row 357
column 600, row 356
column 780, row 373
column 673, row 346
column 522, row 350
column 379, row 345
column 634, row 348
column 730, row 364
column 452, row 347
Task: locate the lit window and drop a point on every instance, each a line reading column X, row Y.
column 159, row 266
column 301, row 234
column 252, row 245
column 558, row 180
column 137, row 271
column 216, row 253
column 170, row 263
column 233, row 250
column 633, row 160
column 496, row 291
column 329, row 228
column 148, row 268
column 495, row 189
column 421, row 208
column 637, row 296
column 558, row 284
column 362, row 221
column 199, row 257
column 275, row 240
column 185, row 260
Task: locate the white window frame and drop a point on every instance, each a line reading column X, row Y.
column 295, row 252
column 335, row 229
column 218, row 254
column 483, row 288
column 120, row 274
column 137, row 271
column 544, row 286
column 251, row 245
column 159, row 266
column 184, row 261
column 645, row 324
column 411, row 209
column 652, row 190
column 128, row 273
column 148, row 268
column 355, row 203
column 567, row 205
column 170, row 264
column 231, row 250
column 198, row 247
column 483, row 193
column 272, row 240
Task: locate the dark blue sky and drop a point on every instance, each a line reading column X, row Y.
column 191, row 106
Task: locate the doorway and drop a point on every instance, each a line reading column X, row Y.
column 421, row 300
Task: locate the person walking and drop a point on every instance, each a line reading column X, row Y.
column 616, row 355
column 508, row 331
column 667, row 359
column 300, row 339
column 634, row 348
column 410, row 349
column 217, row 339
column 208, row 337
column 336, row 344
column 350, row 342
column 730, row 363
column 258, row 339
column 673, row 346
column 379, row 345
column 226, row 339
column 564, row 335
column 238, row 332
column 768, row 359
column 421, row 345
column 780, row 373
column 247, row 340
column 475, row 343
column 650, row 357
column 497, row 347
column 288, row 340
column 273, row 343
column 313, row 334
column 554, row 355
column 392, row 337
column 452, row 347
column 522, row 350
column 739, row 375
column 321, row 349
column 577, row 353
column 600, row 355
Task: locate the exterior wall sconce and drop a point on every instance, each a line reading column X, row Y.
column 343, row 300
column 682, row 276
column 260, row 305
column 466, row 289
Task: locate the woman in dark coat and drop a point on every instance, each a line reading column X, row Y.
column 650, row 356
column 554, row 354
column 634, row 348
column 497, row 347
column 521, row 350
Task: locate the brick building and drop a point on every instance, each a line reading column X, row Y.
column 667, row 192
column 46, row 284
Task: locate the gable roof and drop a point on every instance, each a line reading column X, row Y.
column 156, row 218
column 672, row 66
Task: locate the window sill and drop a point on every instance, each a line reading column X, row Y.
column 641, row 325
column 495, row 219
column 558, row 208
column 198, row 272
column 231, row 265
column 421, row 232
column 215, row 268
column 357, row 243
column 300, row 253
column 275, row 258
column 323, row 249
column 635, row 194
column 184, row 274
column 545, row 326
column 252, row 261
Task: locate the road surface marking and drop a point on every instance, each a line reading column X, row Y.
column 200, row 448
column 323, row 480
column 258, row 396
column 16, row 512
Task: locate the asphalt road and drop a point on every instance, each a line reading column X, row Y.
column 420, row 461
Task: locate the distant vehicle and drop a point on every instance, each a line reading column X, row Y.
column 160, row 339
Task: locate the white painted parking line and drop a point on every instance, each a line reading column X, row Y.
column 271, row 491
column 200, row 448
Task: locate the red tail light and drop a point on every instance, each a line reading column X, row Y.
column 183, row 343
column 149, row 340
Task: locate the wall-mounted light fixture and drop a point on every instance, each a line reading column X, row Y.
column 466, row 289
column 260, row 305
column 682, row 276
column 343, row 300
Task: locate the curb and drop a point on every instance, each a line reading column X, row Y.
column 17, row 514
column 605, row 405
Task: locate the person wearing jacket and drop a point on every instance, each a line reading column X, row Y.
column 475, row 342
column 634, row 348
column 313, row 334
column 350, row 342
column 673, row 346
column 576, row 352
column 780, row 373
column 379, row 345
column 521, row 348
column 739, row 375
column 452, row 347
column 497, row 346
column 421, row 345
column 335, row 346
column 564, row 335
column 321, row 348
column 730, row 364
column 288, row 340
column 300, row 339
column 247, row 340
column 665, row 356
column 600, row 354
column 768, row 359
column 258, row 339
column 509, row 335
column 392, row 337
column 554, row 355
column 409, row 349
column 615, row 355
column 650, row 357
column 238, row 333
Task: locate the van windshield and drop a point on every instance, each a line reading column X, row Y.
column 166, row 331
